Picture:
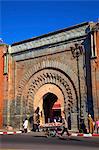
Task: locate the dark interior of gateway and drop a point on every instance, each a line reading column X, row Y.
column 50, row 114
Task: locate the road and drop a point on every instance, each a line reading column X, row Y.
column 29, row 142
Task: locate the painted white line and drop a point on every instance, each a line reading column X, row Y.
column 1, row 132
column 18, row 131
column 87, row 135
column 74, row 134
column 10, row 132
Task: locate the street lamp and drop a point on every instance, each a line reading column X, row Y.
column 77, row 50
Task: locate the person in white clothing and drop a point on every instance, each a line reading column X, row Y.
column 25, row 125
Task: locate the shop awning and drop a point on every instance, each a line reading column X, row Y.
column 56, row 105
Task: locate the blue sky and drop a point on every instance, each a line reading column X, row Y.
column 25, row 19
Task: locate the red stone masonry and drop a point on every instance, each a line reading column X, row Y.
column 3, row 49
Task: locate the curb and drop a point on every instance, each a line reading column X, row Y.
column 10, row 132
column 72, row 134
column 84, row 135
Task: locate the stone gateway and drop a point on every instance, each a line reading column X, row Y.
column 50, row 74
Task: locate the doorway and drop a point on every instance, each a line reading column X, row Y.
column 49, row 100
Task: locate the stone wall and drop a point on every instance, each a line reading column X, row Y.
column 95, row 76
column 48, row 60
column 58, row 66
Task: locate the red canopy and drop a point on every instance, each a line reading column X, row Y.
column 56, row 105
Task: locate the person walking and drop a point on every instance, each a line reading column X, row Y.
column 97, row 125
column 90, row 124
column 25, row 125
column 65, row 127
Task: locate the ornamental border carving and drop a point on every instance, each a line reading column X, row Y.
column 56, row 78
column 45, row 64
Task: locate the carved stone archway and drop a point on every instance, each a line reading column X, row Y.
column 43, row 65
column 48, row 76
column 50, row 72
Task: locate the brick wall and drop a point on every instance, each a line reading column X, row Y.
column 3, row 49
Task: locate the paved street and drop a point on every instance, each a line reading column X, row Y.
column 28, row 141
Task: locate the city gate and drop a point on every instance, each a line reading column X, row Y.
column 44, row 74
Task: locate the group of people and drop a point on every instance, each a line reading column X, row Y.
column 91, row 125
column 34, row 122
column 64, row 124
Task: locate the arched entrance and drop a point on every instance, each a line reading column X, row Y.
column 52, row 107
column 50, row 100
column 43, row 85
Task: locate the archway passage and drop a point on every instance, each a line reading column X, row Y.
column 56, row 111
column 51, row 107
column 46, row 98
